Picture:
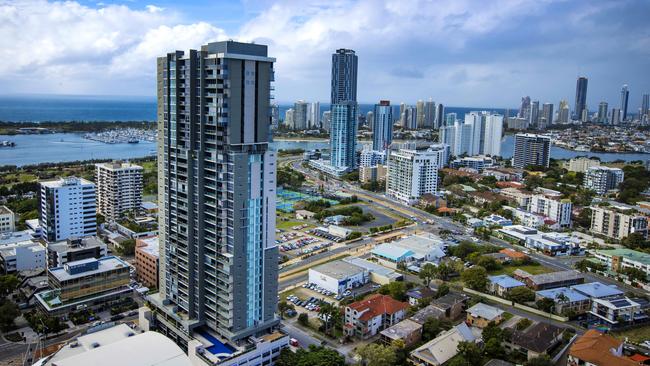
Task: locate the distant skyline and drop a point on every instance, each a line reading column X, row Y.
column 458, row 52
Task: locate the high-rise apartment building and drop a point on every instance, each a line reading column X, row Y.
column 370, row 119
column 480, row 133
column 343, row 118
column 218, row 258
column 625, row 96
column 601, row 178
column 412, row 172
column 7, row 220
column 67, row 208
column 430, row 114
column 602, row 112
column 382, row 128
column 531, row 150
column 563, row 112
column 314, row 115
column 617, row 221
column 547, row 116
column 581, row 98
column 300, row 115
column 615, row 116
column 288, row 119
column 534, row 114
column 275, row 116
column 645, row 105
column 327, row 118
column 550, row 204
column 524, row 108
column 440, row 115
column 419, row 107
column 119, row 188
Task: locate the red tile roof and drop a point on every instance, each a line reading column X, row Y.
column 513, row 253
column 376, row 305
column 596, row 348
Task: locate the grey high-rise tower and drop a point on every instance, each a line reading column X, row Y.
column 343, row 124
column 547, row 116
column 382, row 129
column 531, row 150
column 625, row 95
column 581, row 97
column 218, row 257
column 645, row 105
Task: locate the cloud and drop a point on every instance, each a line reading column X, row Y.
column 460, row 52
column 72, row 48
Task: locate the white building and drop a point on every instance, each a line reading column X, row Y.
column 550, row 204
column 526, row 218
column 22, row 256
column 412, row 173
column 581, row 164
column 602, row 179
column 480, row 133
column 478, row 163
column 370, row 158
column 67, row 208
column 338, row 276
column 617, row 221
column 119, row 188
column 412, row 250
column 7, row 220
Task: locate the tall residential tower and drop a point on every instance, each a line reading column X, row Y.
column 343, row 117
column 218, row 257
column 581, row 97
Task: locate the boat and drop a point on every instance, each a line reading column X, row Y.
column 133, row 141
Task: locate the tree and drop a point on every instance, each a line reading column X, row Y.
column 494, row 349
column 443, row 290
column 431, row 328
column 303, row 319
column 8, row 312
column 442, row 271
column 635, row 241
column 373, row 354
column 330, row 314
column 396, row 290
column 487, row 262
column 313, row 356
column 427, row 273
column 521, row 295
column 8, row 284
column 543, row 360
column 475, row 278
column 283, row 306
column 584, row 218
column 635, row 274
column 545, row 304
column 471, row 352
column 127, row 247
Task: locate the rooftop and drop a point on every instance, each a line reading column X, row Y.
column 373, row 267
column 445, row 346
column 538, row 338
column 481, row 310
column 597, row 290
column 149, row 245
column 377, row 304
column 513, row 253
column 600, row 349
column 120, row 345
column 505, row 281
column 15, row 237
column 449, row 300
column 571, row 294
column 68, row 181
column 402, row 329
column 628, row 254
column 104, row 264
column 119, row 165
column 418, row 246
column 430, row 311
column 73, row 244
column 4, row 210
column 338, row 269
column 551, row 277
column 420, row 292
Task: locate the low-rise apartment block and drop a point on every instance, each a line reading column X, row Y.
column 75, row 249
column 146, row 261
column 119, row 188
column 365, row 318
column 602, row 179
column 7, row 220
column 618, row 220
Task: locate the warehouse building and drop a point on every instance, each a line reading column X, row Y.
column 338, row 276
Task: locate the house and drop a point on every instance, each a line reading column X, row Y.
column 566, row 300
column 545, row 281
column 502, row 284
column 480, row 315
column 514, row 254
column 365, row 318
column 442, row 348
column 597, row 349
column 304, row 215
column 426, row 313
column 497, row 362
column 536, row 340
column 417, row 294
column 451, row 305
column 498, row 257
column 407, row 330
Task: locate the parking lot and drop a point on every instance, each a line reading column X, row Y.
column 300, row 241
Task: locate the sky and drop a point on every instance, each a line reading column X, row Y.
column 474, row 53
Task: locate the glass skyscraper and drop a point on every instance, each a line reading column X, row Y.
column 382, row 128
column 581, row 97
column 343, row 117
column 625, row 95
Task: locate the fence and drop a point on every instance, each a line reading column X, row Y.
column 516, row 305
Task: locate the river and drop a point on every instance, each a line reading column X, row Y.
column 61, row 147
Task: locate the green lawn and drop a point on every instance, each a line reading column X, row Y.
column 636, row 335
column 532, row 269
column 149, row 166
column 287, row 225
